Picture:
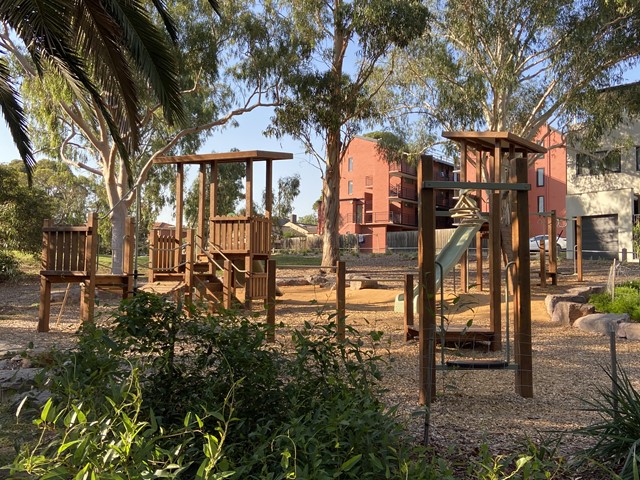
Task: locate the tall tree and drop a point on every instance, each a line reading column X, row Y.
column 98, row 48
column 329, row 90
column 228, row 66
column 512, row 64
column 287, row 191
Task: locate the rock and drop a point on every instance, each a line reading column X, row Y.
column 319, row 279
column 566, row 313
column 552, row 300
column 26, row 363
column 292, row 282
column 360, row 282
column 586, row 290
column 629, row 330
column 5, row 364
column 601, row 322
column 20, row 380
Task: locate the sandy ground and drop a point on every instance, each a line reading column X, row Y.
column 471, row 407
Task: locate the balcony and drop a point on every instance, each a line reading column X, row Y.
column 395, row 218
column 403, row 193
column 402, row 168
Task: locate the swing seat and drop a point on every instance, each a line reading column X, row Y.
column 478, row 364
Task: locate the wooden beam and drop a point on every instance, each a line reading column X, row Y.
column 202, row 194
column 248, row 189
column 179, row 211
column 522, row 289
column 495, row 271
column 341, row 299
column 268, row 189
column 270, row 302
column 227, row 157
column 427, row 283
column 464, row 260
column 408, row 304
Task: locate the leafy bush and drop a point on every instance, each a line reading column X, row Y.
column 203, row 396
column 626, row 299
column 9, row 267
column 617, row 435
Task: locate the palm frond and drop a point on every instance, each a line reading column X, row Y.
column 151, row 53
column 14, row 116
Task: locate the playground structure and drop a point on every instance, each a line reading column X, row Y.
column 189, row 260
column 69, row 255
column 208, row 261
column 489, row 149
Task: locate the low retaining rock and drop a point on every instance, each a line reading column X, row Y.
column 292, row 282
column 566, row 313
column 360, row 282
column 601, row 322
column 629, row 330
column 552, row 300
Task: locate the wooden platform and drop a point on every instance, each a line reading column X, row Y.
column 457, row 334
column 163, row 287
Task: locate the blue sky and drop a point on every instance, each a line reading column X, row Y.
column 247, row 136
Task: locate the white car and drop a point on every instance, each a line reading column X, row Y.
column 534, row 243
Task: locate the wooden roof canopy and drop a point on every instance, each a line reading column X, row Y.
column 487, row 141
column 227, row 157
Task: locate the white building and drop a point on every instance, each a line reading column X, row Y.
column 603, row 188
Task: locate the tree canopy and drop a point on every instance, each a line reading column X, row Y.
column 101, row 50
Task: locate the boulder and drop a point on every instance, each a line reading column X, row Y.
column 292, row 282
column 629, row 330
column 552, row 300
column 19, row 380
column 566, row 313
column 360, row 282
column 601, row 322
column 318, row 279
column 586, row 290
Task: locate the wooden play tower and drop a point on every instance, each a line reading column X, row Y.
column 238, row 246
column 503, row 158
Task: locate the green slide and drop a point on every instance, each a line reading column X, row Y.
column 448, row 257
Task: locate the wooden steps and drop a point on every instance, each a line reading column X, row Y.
column 164, row 287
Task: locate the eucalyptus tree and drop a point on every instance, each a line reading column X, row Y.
column 512, row 64
column 98, row 49
column 228, row 65
column 329, row 92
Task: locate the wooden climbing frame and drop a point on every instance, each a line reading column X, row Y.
column 69, row 255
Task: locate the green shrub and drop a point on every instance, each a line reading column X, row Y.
column 617, row 434
column 626, row 299
column 311, row 410
column 9, row 267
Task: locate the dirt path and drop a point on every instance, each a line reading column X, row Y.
column 470, row 407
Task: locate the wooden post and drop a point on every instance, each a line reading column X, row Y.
column 579, row 247
column 179, row 214
column 553, row 247
column 248, row 276
column 427, row 282
column 189, row 274
column 543, row 265
column 227, row 285
column 202, row 189
column 495, row 279
column 270, row 302
column 153, row 254
column 44, row 309
column 340, row 299
column 127, row 261
column 408, row 304
column 89, row 288
column 479, row 261
column 479, row 193
column 522, row 288
column 464, row 259
column 268, row 199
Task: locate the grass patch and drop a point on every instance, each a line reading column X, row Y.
column 302, row 260
column 626, row 299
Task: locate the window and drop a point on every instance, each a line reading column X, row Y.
column 350, row 164
column 602, row 161
column 540, row 177
column 540, row 204
column 583, row 164
column 611, row 160
column 637, row 158
column 350, row 187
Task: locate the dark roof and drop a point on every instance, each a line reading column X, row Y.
column 486, row 141
column 228, row 157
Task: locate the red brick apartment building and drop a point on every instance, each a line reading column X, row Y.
column 548, row 179
column 377, row 197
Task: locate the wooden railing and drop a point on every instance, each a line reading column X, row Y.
column 241, row 235
column 66, row 249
